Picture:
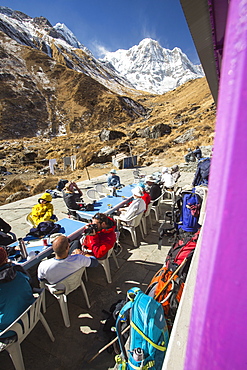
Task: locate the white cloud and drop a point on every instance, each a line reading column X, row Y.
column 99, row 50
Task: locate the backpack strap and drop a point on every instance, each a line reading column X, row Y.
column 160, row 348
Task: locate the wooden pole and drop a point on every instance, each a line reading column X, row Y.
column 87, row 173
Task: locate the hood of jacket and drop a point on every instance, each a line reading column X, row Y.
column 46, row 196
column 8, row 272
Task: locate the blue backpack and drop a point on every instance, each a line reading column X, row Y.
column 148, row 332
column 190, row 211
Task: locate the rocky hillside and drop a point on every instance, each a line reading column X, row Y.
column 176, row 120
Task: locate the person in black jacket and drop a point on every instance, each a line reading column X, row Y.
column 6, row 237
column 202, row 172
column 72, row 195
column 198, row 153
column 154, row 188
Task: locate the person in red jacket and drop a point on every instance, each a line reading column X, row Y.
column 98, row 237
column 146, row 196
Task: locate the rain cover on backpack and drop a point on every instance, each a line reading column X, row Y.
column 191, row 204
column 148, row 331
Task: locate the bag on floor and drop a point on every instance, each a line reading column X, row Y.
column 168, row 291
column 181, row 249
column 148, row 336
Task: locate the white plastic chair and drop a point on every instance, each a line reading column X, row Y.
column 101, row 190
column 131, row 226
column 62, row 288
column 105, row 263
column 92, row 194
column 29, row 220
column 22, row 326
column 156, row 207
column 144, row 218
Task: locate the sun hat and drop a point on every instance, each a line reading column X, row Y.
column 3, row 255
column 137, row 191
column 142, row 185
column 149, row 178
column 113, row 171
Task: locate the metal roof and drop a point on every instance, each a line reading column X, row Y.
column 207, row 21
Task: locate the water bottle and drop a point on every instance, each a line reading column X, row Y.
column 22, row 247
column 138, row 354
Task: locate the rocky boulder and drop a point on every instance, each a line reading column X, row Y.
column 155, row 131
column 107, row 135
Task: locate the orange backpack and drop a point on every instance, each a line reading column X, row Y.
column 166, row 287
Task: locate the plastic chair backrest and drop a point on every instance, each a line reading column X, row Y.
column 92, row 194
column 29, row 220
column 100, row 188
column 137, row 219
column 25, row 323
column 148, row 209
column 68, row 284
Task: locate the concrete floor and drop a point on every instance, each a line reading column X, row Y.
column 76, row 345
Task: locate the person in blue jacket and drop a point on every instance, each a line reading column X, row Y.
column 113, row 181
column 16, row 293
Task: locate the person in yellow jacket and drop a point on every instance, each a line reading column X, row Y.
column 43, row 211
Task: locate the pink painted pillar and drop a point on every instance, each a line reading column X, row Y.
column 218, row 327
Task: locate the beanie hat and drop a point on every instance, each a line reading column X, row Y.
column 46, row 196
column 137, row 191
column 3, row 255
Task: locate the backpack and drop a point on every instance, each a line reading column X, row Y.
column 166, row 288
column 45, row 228
column 181, row 249
column 189, row 204
column 148, row 332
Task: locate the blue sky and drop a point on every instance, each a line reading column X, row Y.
column 115, row 24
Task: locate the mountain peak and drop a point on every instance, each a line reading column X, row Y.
column 149, row 67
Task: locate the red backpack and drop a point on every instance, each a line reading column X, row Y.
column 183, row 248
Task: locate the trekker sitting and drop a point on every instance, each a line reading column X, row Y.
column 167, row 178
column 72, row 195
column 16, row 293
column 175, row 172
column 190, row 156
column 146, row 195
column 43, row 211
column 113, row 181
column 154, row 188
column 63, row 264
column 198, row 153
column 98, row 237
column 6, row 237
column 137, row 206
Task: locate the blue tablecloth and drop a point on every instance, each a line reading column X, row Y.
column 110, row 203
column 70, row 228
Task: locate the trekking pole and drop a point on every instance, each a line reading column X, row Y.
column 108, row 345
column 170, row 279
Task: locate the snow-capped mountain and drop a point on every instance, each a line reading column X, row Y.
column 60, row 43
column 151, row 68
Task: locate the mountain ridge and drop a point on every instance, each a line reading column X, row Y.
column 151, row 68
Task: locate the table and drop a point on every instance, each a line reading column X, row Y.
column 110, row 203
column 71, row 228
